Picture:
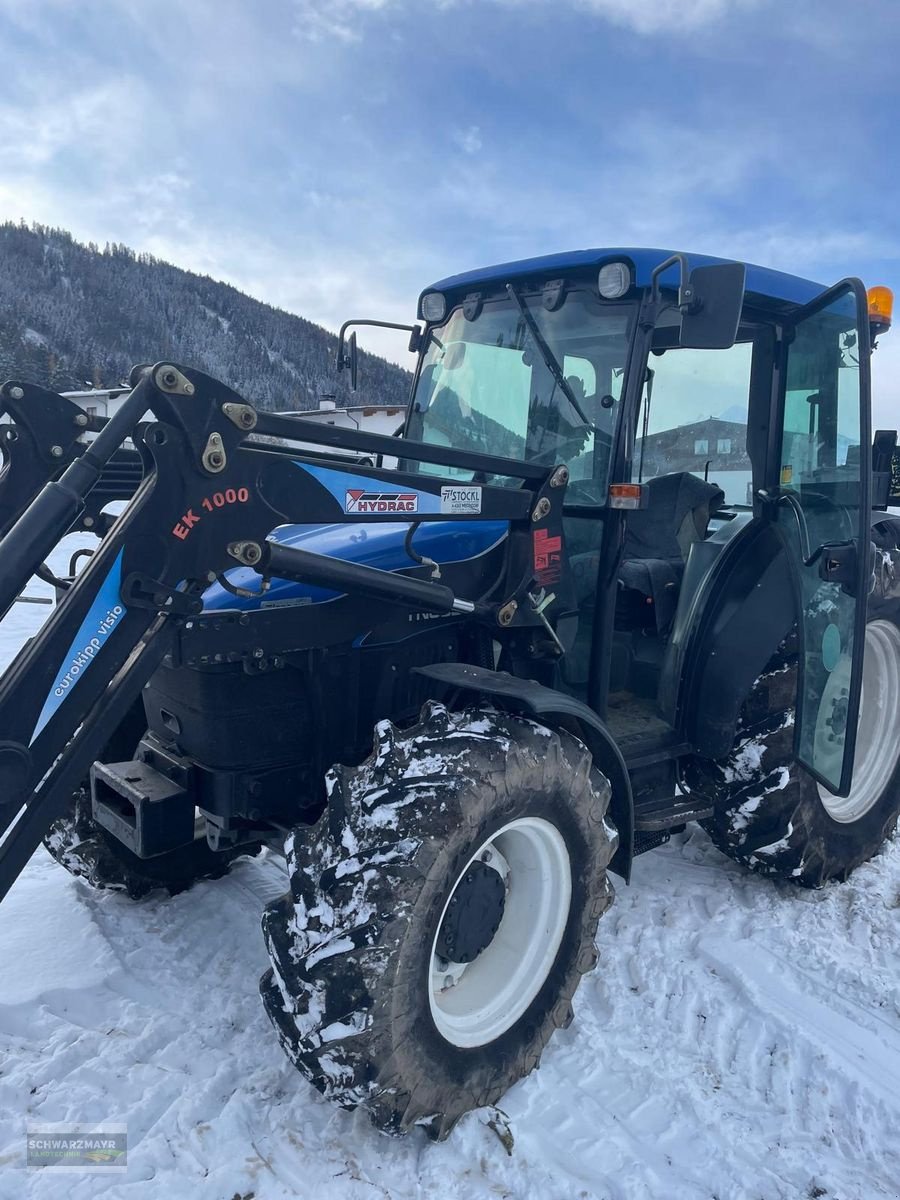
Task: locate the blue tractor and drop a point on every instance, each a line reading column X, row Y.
column 629, row 566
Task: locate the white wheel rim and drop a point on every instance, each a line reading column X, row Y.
column 487, row 996
column 878, row 731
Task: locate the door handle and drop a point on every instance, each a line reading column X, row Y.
column 837, row 562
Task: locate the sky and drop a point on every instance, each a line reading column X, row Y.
column 334, row 157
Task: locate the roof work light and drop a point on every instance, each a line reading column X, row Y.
column 434, row 306
column 614, row 280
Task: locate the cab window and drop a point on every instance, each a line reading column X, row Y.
column 694, row 418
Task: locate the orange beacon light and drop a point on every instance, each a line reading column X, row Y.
column 881, row 307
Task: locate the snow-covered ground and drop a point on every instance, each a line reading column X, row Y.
column 737, row 1041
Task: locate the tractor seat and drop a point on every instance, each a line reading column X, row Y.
column 658, row 538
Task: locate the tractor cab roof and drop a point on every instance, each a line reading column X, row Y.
column 763, row 286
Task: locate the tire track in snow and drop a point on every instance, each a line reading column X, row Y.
column 758, row 1101
column 789, row 996
column 682, row 1078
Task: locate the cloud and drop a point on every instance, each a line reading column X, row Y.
column 42, row 127
column 337, row 179
column 345, row 19
column 320, row 19
column 468, row 140
column 665, row 16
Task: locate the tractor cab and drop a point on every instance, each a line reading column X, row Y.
column 711, row 416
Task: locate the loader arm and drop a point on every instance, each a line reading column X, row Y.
column 207, row 503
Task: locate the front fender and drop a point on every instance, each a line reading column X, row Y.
column 560, row 711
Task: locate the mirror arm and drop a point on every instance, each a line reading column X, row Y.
column 685, row 292
column 415, row 332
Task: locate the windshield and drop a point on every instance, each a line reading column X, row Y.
column 488, row 385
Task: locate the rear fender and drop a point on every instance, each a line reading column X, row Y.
column 726, row 631
column 732, row 621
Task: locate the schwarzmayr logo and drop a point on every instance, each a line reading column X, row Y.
column 82, row 1148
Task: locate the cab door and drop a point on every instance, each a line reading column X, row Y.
column 821, row 451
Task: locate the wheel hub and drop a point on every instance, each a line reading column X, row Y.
column 473, row 915
column 494, row 947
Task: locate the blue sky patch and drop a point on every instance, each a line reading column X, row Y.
column 334, row 157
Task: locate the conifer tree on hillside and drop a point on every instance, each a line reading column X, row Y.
column 75, row 316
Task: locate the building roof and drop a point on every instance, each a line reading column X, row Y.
column 761, row 281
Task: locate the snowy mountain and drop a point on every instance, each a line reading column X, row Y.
column 73, row 316
column 734, row 412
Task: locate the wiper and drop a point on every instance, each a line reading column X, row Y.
column 550, row 359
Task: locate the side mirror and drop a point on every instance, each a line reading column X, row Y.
column 885, row 468
column 711, row 306
column 354, row 362
column 893, row 498
column 348, row 357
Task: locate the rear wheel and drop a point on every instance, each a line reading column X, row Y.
column 440, row 917
column 771, row 814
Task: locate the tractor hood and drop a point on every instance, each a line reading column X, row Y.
column 373, row 545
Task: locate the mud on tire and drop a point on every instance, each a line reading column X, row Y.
column 769, row 812
column 351, row 943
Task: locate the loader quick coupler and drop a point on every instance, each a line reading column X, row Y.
column 41, row 441
column 143, row 591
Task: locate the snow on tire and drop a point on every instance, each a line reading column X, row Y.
column 771, row 815
column 440, row 916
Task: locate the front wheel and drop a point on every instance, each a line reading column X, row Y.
column 440, row 917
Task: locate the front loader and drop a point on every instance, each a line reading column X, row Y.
column 633, row 568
